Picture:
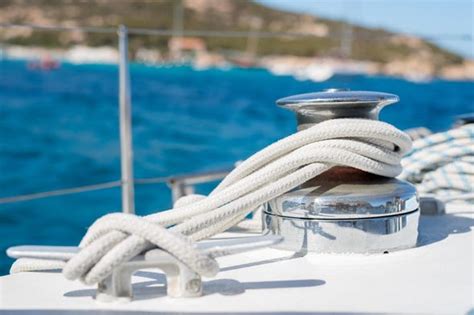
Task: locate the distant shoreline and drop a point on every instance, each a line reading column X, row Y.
column 222, row 34
column 301, row 68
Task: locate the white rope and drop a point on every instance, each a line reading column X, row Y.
column 442, row 165
column 34, row 264
column 418, row 133
column 368, row 145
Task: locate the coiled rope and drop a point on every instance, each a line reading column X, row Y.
column 372, row 146
column 442, row 165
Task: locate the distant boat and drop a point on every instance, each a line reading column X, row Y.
column 313, row 72
column 44, row 64
column 418, row 78
column 317, row 73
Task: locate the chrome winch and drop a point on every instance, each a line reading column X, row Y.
column 344, row 210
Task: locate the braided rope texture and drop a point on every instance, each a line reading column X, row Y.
column 442, row 165
column 372, row 146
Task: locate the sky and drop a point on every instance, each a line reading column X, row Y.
column 427, row 18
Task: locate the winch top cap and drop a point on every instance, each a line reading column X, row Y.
column 338, row 97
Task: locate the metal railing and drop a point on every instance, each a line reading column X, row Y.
column 180, row 185
column 212, row 33
column 157, row 32
column 126, row 148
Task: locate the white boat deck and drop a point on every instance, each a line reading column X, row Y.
column 435, row 278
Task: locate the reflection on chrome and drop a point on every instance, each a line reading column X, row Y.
column 345, row 236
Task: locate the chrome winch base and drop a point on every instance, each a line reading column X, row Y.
column 362, row 236
column 364, row 214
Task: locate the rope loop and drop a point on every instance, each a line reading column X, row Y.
column 368, row 145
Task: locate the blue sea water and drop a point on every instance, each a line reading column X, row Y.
column 60, row 129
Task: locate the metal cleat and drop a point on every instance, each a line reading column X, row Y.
column 181, row 281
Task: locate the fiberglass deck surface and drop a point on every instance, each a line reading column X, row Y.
column 434, row 278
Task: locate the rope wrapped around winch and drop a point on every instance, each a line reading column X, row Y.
column 369, row 145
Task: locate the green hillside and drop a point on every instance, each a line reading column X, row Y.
column 231, row 15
